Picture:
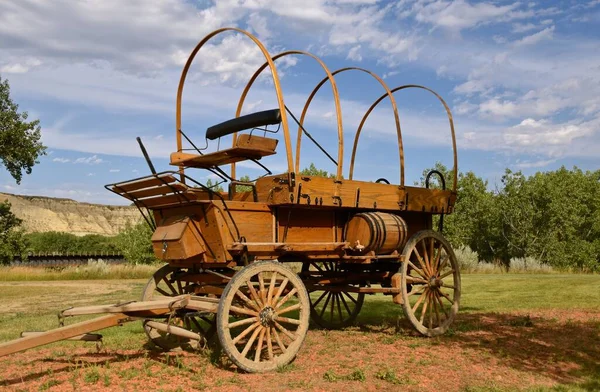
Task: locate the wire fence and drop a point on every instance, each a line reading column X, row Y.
column 67, row 260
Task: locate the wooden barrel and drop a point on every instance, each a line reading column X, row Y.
column 380, row 232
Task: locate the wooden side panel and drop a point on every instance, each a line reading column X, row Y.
column 254, row 226
column 326, row 192
column 306, row 225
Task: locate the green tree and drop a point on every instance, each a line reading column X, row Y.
column 313, row 171
column 11, row 235
column 553, row 217
column 135, row 244
column 62, row 243
column 20, row 144
column 214, row 186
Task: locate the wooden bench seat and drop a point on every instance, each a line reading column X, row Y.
column 247, row 147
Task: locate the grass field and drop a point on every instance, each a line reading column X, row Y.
column 514, row 332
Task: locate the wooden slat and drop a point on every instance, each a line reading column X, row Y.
column 219, row 158
column 280, row 247
column 142, row 183
column 156, row 191
column 177, row 302
column 62, row 333
column 169, row 200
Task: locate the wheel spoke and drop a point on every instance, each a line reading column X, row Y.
column 259, row 346
column 419, row 271
column 254, row 294
column 447, row 297
column 288, row 320
column 438, row 257
column 414, row 280
column 345, row 304
column 417, row 290
column 421, row 263
column 170, row 286
column 290, row 308
column 237, row 309
column 431, row 256
column 425, row 256
column 285, row 331
column 416, row 305
column 326, row 302
column 319, row 299
column 349, row 296
column 446, row 274
column 339, row 307
column 249, row 320
column 435, row 307
column 269, row 344
column 246, row 332
column 251, row 340
column 444, row 261
column 163, row 292
column 424, row 310
column 332, row 306
column 430, row 312
column 247, row 300
column 278, row 340
column 271, row 288
column 286, row 298
column 439, row 299
column 280, row 290
column 261, row 283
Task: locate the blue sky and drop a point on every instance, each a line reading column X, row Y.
column 522, row 80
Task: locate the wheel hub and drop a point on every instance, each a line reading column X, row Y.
column 266, row 316
column 435, row 283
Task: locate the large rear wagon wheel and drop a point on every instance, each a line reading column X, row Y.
column 430, row 283
column 263, row 316
column 330, row 309
column 166, row 283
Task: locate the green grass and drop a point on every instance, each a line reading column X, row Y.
column 93, row 271
column 504, row 293
column 33, row 306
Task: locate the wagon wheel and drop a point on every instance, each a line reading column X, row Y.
column 430, row 283
column 165, row 283
column 332, row 309
column 263, row 316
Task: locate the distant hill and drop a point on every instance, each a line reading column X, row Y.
column 41, row 214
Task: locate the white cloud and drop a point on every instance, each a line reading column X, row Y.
column 61, row 160
column 114, row 170
column 534, row 164
column 522, row 27
column 354, row 53
column 91, row 160
column 535, row 38
column 460, row 14
column 390, row 74
column 541, row 133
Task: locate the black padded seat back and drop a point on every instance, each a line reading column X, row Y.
column 252, row 120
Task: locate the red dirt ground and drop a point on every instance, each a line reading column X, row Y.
column 484, row 350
